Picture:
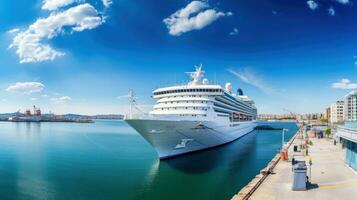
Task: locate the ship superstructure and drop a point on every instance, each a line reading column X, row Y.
column 195, row 116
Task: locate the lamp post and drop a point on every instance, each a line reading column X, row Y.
column 282, row 138
column 310, row 164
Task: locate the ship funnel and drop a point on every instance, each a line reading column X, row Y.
column 240, row 92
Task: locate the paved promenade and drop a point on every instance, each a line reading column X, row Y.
column 331, row 178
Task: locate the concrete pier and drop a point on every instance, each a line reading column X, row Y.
column 330, row 177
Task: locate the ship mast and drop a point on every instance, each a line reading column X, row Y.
column 196, row 75
column 132, row 101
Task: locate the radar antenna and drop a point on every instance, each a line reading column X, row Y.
column 196, row 75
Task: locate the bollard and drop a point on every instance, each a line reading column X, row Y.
column 284, row 154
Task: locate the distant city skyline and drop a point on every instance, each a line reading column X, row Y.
column 69, row 56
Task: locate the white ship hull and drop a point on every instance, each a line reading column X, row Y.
column 172, row 138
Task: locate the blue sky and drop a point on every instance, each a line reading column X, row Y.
column 80, row 56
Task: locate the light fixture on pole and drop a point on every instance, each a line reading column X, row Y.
column 282, row 139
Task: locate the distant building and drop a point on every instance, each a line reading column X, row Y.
column 351, row 107
column 327, row 114
column 337, row 112
column 276, row 117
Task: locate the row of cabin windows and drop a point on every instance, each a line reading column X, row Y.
column 234, row 117
column 242, row 109
column 186, row 108
column 204, row 115
column 186, row 96
column 188, row 90
column 235, row 103
column 241, row 118
column 171, row 102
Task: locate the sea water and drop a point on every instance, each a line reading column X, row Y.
column 109, row 160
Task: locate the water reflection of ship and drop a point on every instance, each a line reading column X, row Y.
column 231, row 156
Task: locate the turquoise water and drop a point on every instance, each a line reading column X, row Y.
column 109, row 160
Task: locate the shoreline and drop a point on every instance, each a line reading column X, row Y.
column 51, row 121
column 247, row 191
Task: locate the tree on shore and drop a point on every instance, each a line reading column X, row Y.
column 328, row 132
column 324, row 120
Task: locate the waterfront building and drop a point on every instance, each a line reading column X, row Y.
column 337, row 112
column 348, row 135
column 310, row 117
column 348, row 132
column 351, row 107
column 327, row 114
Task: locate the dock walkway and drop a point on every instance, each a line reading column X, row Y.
column 332, row 178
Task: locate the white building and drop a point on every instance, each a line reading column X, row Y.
column 351, row 107
column 337, row 112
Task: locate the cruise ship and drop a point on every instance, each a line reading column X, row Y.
column 195, row 116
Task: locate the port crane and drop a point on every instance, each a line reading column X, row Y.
column 293, row 114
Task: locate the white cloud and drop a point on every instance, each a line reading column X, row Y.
column 55, row 4
column 33, row 99
column 344, row 84
column 45, row 96
column 26, row 87
column 253, row 79
column 12, row 31
column 312, row 4
column 29, row 43
column 234, row 32
column 195, row 16
column 107, row 3
column 123, row 96
column 62, row 99
column 343, row 1
column 331, row 11
column 4, row 100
